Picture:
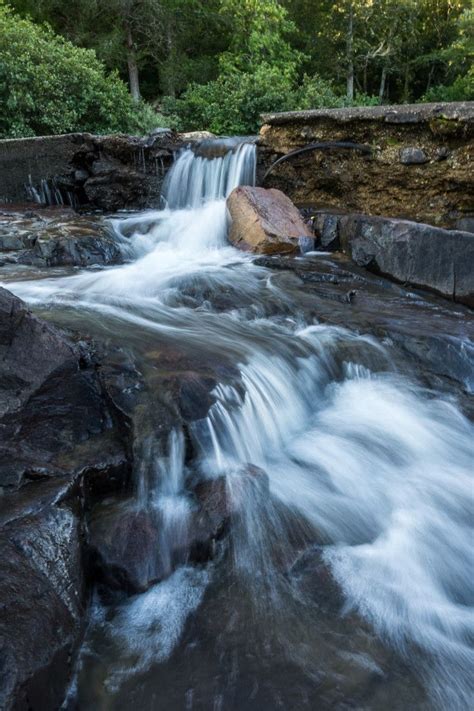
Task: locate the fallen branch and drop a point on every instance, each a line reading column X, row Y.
column 328, row 145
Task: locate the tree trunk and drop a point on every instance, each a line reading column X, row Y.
column 349, row 54
column 170, row 52
column 430, row 78
column 406, row 84
column 383, row 79
column 133, row 77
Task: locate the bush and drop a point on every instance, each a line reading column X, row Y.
column 462, row 89
column 232, row 104
column 317, row 93
column 48, row 86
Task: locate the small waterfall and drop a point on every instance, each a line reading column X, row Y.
column 49, row 194
column 194, row 179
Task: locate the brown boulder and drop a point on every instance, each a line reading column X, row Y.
column 265, row 221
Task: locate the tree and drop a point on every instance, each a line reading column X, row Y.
column 47, row 85
column 159, row 46
column 393, row 49
column 257, row 72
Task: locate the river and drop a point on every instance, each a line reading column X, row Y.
column 346, row 578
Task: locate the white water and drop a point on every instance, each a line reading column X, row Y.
column 380, row 471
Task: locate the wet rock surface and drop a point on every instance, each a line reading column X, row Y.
column 76, row 416
column 54, row 416
column 43, row 594
column 61, row 445
column 57, row 237
column 123, row 547
column 264, row 221
column 338, row 292
column 103, row 172
column 409, row 252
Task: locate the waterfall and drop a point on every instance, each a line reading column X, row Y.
column 194, row 179
column 49, row 193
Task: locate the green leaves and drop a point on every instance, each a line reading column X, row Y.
column 47, row 86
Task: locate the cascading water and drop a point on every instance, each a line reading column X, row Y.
column 345, row 481
column 196, row 179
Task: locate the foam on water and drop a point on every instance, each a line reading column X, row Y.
column 383, row 473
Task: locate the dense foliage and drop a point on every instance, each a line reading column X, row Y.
column 217, row 64
column 47, row 85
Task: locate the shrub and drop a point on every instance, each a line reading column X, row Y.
column 232, row 104
column 316, row 93
column 48, row 86
column 462, row 89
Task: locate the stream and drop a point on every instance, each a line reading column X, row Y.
column 342, row 432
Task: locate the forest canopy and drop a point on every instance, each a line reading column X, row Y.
column 130, row 65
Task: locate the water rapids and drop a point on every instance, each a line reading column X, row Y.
column 349, row 578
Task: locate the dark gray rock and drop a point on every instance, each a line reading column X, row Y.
column 80, row 176
column 75, row 244
column 132, row 546
column 306, row 244
column 43, row 601
column 62, row 240
column 326, row 229
column 62, row 444
column 54, row 417
column 413, row 253
column 114, row 190
column 442, row 153
column 413, row 156
column 124, row 547
column 465, row 224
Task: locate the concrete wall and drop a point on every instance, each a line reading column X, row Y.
column 104, row 172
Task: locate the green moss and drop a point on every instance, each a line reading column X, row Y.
column 393, row 142
column 441, row 126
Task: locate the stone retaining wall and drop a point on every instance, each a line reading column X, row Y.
column 416, row 163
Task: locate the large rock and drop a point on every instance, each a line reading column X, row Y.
column 57, row 238
column 131, row 546
column 43, row 601
column 412, row 253
column 61, row 444
column 54, row 415
column 124, row 547
column 265, row 221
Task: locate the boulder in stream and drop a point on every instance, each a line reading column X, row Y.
column 411, row 253
column 124, row 547
column 265, row 221
column 55, row 419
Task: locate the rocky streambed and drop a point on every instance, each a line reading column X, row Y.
column 222, row 471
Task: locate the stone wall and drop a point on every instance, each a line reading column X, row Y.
column 413, row 161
